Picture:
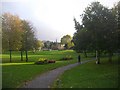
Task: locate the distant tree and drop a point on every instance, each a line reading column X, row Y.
column 54, row 45
column 48, row 44
column 67, row 40
column 70, row 45
column 38, row 44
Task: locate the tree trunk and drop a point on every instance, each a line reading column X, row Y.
column 10, row 56
column 10, row 51
column 21, row 55
column 97, row 57
column 26, row 56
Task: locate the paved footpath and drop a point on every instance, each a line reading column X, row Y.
column 45, row 80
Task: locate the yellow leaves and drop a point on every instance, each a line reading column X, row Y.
column 42, row 59
column 12, row 31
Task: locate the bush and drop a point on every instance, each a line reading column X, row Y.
column 44, row 61
column 67, row 57
column 41, row 61
column 51, row 61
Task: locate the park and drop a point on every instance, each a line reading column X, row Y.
column 17, row 73
column 88, row 59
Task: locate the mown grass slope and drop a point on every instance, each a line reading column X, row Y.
column 91, row 75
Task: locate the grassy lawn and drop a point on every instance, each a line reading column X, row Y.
column 18, row 72
column 14, row 75
column 90, row 75
column 35, row 56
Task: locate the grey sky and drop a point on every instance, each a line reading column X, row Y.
column 51, row 18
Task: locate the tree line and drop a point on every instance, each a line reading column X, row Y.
column 65, row 43
column 99, row 31
column 17, row 35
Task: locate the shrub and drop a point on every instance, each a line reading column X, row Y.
column 44, row 61
column 67, row 57
column 51, row 61
column 41, row 61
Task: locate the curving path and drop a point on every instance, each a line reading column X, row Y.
column 46, row 80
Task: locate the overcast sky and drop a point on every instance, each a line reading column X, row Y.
column 51, row 18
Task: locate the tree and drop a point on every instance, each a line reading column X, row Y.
column 48, row 44
column 82, row 40
column 97, row 31
column 17, row 34
column 116, row 33
column 116, row 13
column 38, row 44
column 28, row 37
column 70, row 45
column 67, row 40
column 11, row 32
column 98, row 20
column 0, row 35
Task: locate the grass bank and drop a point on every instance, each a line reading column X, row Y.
column 91, row 75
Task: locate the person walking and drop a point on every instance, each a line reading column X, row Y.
column 79, row 61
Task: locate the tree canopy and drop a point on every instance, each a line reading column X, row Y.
column 11, row 32
column 97, row 31
column 67, row 40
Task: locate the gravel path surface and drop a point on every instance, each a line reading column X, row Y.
column 45, row 80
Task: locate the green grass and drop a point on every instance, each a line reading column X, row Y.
column 35, row 56
column 90, row 75
column 18, row 72
column 14, row 75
